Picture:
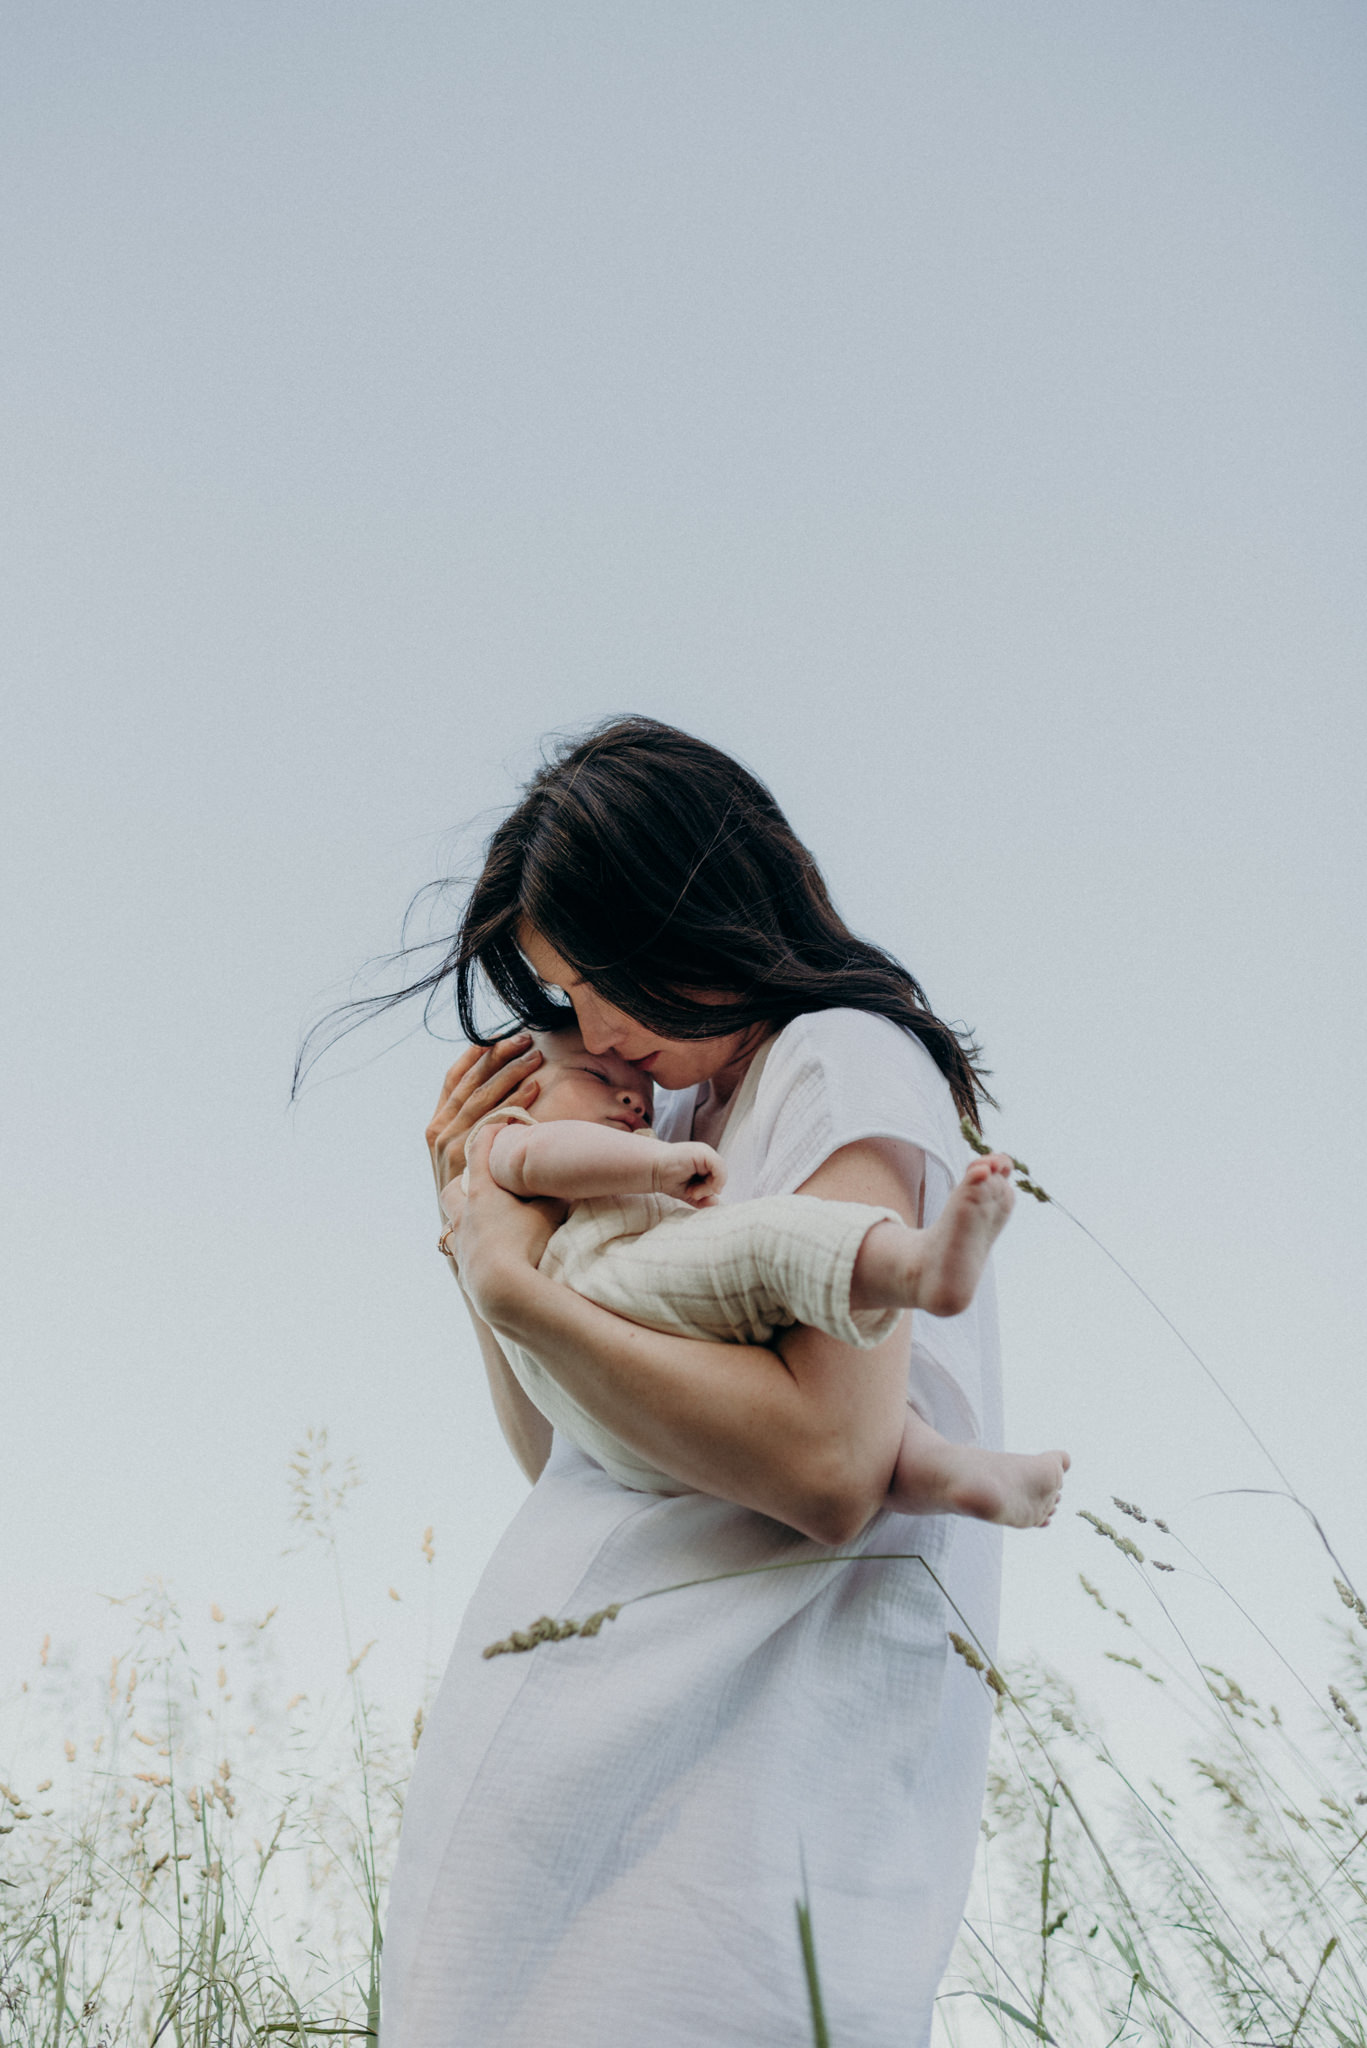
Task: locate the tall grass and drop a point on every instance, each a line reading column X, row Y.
column 1224, row 1901
column 190, row 1855
column 199, row 1856
column 196, row 1856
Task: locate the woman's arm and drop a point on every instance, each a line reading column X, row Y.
column 807, row 1433
column 485, row 1078
column 525, row 1429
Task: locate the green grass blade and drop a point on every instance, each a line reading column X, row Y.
column 821, row 2033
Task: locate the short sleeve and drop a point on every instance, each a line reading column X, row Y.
column 829, row 1080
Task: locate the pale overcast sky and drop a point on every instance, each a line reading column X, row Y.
column 953, row 408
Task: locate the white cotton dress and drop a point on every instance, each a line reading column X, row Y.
column 604, row 1839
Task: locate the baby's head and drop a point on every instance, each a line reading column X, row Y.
column 591, row 1087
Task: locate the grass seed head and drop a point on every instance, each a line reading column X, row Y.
column 1345, row 1710
column 1122, row 1543
column 965, row 1649
column 547, row 1630
column 1356, row 1606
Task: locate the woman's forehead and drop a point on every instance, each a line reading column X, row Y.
column 542, row 957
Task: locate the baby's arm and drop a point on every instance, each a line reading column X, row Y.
column 574, row 1161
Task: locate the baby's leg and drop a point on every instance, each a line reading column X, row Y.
column 937, row 1270
column 737, row 1272
column 937, row 1477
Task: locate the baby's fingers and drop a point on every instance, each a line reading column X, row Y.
column 708, row 1169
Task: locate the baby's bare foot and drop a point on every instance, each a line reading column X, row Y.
column 936, row 1477
column 937, row 1269
column 954, row 1250
column 1008, row 1487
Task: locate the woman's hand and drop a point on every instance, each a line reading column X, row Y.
column 499, row 1238
column 483, row 1078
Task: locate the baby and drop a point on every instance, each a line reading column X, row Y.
column 643, row 1236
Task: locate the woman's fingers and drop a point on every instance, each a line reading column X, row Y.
column 448, row 1129
column 476, row 1064
column 482, row 1079
column 510, row 1074
column 457, row 1071
column 475, row 1071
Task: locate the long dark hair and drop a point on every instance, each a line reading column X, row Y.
column 661, row 870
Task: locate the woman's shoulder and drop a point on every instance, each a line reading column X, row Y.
column 839, row 1040
column 849, row 1074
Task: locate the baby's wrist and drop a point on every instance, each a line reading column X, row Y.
column 662, row 1158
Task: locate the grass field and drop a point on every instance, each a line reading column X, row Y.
column 199, row 1856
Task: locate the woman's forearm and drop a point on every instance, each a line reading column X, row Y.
column 809, row 1436
column 525, row 1429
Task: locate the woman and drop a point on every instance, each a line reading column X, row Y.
column 603, row 1841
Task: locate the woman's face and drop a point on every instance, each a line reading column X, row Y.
column 672, row 1062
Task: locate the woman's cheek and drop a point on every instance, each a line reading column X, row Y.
column 600, row 1025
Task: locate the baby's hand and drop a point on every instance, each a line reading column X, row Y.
column 691, row 1172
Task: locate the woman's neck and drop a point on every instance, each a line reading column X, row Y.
column 718, row 1092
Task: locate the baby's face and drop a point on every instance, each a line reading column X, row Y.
column 592, row 1088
